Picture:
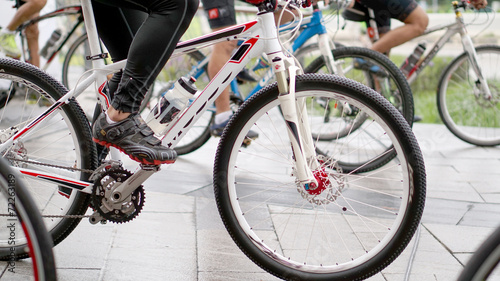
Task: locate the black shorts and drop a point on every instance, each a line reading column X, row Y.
column 385, row 10
column 220, row 13
column 19, row 3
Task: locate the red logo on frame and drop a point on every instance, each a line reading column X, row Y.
column 213, row 13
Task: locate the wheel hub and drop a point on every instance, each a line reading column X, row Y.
column 330, row 180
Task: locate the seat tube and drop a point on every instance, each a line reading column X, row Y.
column 90, row 26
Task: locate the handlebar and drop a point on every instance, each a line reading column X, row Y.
column 270, row 5
column 464, row 4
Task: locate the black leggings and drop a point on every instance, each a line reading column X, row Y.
column 145, row 33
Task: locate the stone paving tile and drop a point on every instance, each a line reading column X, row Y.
column 482, row 215
column 217, row 251
column 157, row 202
column 453, row 190
column 157, row 230
column 431, row 260
column 69, row 254
column 459, row 239
column 444, row 211
column 131, row 263
column 207, row 216
column 235, row 276
column 80, row 274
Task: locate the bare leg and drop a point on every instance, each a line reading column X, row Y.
column 32, row 38
column 221, row 53
column 415, row 25
column 117, row 115
column 26, row 12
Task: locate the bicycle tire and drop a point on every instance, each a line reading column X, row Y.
column 397, row 91
column 311, row 49
column 25, row 216
column 484, row 261
column 354, row 227
column 464, row 110
column 64, row 140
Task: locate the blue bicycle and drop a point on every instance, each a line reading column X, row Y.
column 361, row 64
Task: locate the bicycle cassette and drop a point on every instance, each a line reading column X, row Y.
column 118, row 212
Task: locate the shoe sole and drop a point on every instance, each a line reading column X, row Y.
column 137, row 159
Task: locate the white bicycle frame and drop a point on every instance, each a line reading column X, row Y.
column 259, row 36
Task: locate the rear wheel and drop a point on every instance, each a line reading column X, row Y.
column 59, row 148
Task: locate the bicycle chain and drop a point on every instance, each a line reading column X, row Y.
column 50, row 165
column 55, row 216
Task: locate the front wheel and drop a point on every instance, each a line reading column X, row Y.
column 464, row 107
column 354, row 224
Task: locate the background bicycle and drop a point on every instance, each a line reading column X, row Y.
column 468, row 97
column 360, row 64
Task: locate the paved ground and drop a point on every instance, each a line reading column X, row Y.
column 179, row 235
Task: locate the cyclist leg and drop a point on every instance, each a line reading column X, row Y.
column 148, row 52
column 32, row 34
column 27, row 9
column 121, row 26
column 407, row 11
column 220, row 14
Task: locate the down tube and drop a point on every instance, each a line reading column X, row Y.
column 251, row 48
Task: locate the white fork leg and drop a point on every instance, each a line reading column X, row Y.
column 301, row 144
column 471, row 52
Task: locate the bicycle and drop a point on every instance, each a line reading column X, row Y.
column 52, row 48
column 468, row 92
column 52, row 148
column 23, row 222
column 484, row 262
column 377, row 72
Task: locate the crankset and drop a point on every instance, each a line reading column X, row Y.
column 107, row 209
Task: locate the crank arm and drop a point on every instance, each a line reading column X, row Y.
column 125, row 189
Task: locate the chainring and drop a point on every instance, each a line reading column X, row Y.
column 123, row 211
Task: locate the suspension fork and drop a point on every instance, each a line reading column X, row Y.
column 297, row 123
column 325, row 47
column 480, row 81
